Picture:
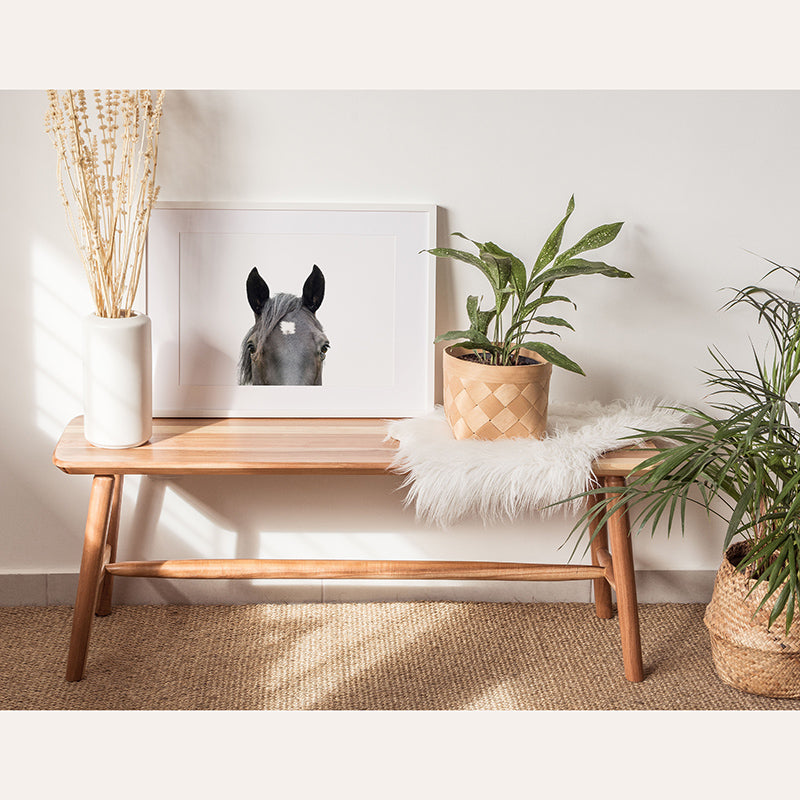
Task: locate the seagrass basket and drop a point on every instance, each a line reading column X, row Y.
column 746, row 655
column 488, row 402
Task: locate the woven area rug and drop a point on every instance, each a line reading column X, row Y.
column 382, row 656
column 448, row 479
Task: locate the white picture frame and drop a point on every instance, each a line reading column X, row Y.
column 378, row 308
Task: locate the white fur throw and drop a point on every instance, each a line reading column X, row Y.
column 449, row 479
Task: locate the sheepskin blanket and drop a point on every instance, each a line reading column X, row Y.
column 449, row 479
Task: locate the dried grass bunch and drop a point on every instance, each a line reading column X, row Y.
column 107, row 155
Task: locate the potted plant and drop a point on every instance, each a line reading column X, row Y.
column 740, row 462
column 497, row 377
column 107, row 148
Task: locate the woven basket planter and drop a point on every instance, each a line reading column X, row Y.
column 746, row 655
column 488, row 402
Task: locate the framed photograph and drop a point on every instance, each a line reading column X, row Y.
column 291, row 310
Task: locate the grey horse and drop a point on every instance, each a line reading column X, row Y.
column 286, row 346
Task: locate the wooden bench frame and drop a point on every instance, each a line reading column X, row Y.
column 305, row 446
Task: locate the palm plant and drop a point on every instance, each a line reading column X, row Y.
column 526, row 291
column 741, row 462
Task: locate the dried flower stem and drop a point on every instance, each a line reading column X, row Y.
column 106, row 178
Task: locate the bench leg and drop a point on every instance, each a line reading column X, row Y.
column 602, row 589
column 94, row 545
column 106, row 587
column 625, row 580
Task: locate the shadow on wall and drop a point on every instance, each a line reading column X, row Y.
column 609, row 313
column 615, row 317
column 447, row 314
column 244, row 516
column 58, row 288
column 167, row 367
column 191, row 138
column 202, row 517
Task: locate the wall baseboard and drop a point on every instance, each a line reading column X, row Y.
column 58, row 589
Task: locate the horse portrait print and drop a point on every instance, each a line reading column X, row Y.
column 286, row 346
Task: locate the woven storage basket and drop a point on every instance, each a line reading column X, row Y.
column 746, row 655
column 488, row 402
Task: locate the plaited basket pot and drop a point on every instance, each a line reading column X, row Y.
column 746, row 655
column 489, row 402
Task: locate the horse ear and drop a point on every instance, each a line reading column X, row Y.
column 257, row 291
column 314, row 289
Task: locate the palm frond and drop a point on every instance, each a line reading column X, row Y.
column 741, row 462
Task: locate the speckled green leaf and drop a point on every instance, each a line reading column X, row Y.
column 553, row 243
column 553, row 356
column 518, row 274
column 488, row 269
column 599, row 237
column 579, row 266
column 471, row 335
column 478, row 319
column 557, row 321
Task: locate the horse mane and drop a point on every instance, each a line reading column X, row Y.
column 274, row 311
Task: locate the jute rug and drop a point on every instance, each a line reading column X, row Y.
column 412, row 656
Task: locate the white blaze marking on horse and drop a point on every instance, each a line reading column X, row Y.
column 287, row 328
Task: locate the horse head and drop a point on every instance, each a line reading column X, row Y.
column 286, row 346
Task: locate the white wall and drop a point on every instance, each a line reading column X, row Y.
column 698, row 177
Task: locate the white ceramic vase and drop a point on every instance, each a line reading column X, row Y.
column 117, row 381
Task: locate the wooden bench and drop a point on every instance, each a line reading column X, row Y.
column 304, row 446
